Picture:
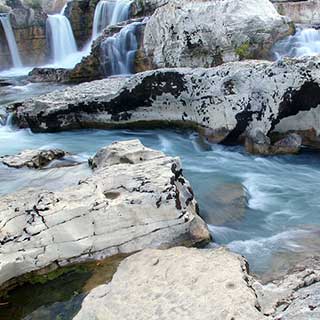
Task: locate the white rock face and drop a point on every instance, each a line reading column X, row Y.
column 122, row 208
column 229, row 100
column 179, row 284
column 304, row 11
column 199, row 33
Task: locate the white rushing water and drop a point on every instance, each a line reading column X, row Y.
column 305, row 42
column 109, row 12
column 118, row 52
column 14, row 52
column 62, row 42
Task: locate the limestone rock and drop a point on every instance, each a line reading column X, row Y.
column 230, row 100
column 295, row 296
column 29, row 27
column 32, row 158
column 178, row 283
column 299, row 11
column 199, row 33
column 257, row 142
column 48, row 75
column 290, row 144
column 120, row 208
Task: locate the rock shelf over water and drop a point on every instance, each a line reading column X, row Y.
column 136, row 198
column 228, row 100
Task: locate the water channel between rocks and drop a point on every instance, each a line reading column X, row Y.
column 263, row 208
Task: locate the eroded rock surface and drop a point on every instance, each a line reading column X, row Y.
column 295, row 296
column 125, row 206
column 228, row 100
column 32, row 158
column 186, row 33
column 178, row 283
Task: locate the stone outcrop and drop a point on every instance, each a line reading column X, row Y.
column 136, row 198
column 227, row 100
column 32, row 158
column 182, row 283
column 300, row 11
column 295, row 296
column 257, row 142
column 178, row 283
column 208, row 33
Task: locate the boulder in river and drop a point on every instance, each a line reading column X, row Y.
column 32, row 158
column 229, row 100
column 123, row 207
column 257, row 142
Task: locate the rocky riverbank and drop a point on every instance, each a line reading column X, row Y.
column 201, row 284
column 136, row 198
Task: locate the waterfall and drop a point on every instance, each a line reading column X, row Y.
column 305, row 42
column 109, row 12
column 62, row 42
column 14, row 52
column 118, row 51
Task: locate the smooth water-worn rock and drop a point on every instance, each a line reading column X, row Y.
column 178, row 283
column 32, row 158
column 227, row 100
column 207, row 33
column 136, row 198
column 256, row 142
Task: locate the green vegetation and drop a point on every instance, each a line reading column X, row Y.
column 243, row 51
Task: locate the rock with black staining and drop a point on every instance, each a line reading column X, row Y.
column 272, row 96
column 199, row 33
column 123, row 207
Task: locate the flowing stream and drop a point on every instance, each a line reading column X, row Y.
column 109, row 12
column 305, row 42
column 119, row 51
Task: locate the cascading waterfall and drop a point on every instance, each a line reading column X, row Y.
column 62, row 41
column 305, row 42
column 109, row 12
column 119, row 51
column 14, row 52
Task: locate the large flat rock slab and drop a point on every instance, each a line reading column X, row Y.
column 228, row 100
column 179, row 284
column 136, row 198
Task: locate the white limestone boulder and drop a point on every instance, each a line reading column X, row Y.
column 121, row 208
column 179, row 284
column 199, row 33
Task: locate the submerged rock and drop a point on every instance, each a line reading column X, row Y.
column 32, row 158
column 122, row 208
column 229, row 100
column 207, row 33
column 178, row 283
